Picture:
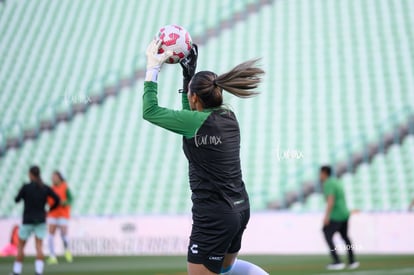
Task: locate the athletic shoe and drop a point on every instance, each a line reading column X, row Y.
column 68, row 256
column 337, row 266
column 354, row 265
column 52, row 260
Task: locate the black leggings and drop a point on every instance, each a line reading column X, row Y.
column 341, row 227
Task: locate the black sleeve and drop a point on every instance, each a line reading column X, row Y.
column 55, row 197
column 20, row 195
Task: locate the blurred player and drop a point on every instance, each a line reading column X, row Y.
column 211, row 143
column 34, row 195
column 59, row 217
column 11, row 248
column 336, row 218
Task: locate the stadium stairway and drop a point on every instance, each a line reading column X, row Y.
column 14, row 134
column 363, row 165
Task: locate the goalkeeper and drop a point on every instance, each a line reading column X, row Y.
column 211, row 143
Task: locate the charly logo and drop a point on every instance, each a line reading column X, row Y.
column 194, row 249
column 200, row 140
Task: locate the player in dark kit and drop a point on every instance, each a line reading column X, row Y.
column 211, row 143
column 34, row 195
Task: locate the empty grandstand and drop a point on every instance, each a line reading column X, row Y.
column 339, row 75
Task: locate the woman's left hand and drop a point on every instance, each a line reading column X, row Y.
column 189, row 64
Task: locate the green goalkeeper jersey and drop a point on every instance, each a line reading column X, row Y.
column 184, row 122
column 211, row 143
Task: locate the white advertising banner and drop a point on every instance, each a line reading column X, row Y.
column 267, row 233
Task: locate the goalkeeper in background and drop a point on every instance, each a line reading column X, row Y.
column 58, row 218
column 336, row 218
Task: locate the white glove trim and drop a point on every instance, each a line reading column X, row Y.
column 152, row 75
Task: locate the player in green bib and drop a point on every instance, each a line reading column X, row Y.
column 336, row 218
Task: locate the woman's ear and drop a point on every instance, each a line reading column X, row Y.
column 194, row 98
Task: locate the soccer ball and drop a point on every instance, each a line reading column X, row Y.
column 176, row 39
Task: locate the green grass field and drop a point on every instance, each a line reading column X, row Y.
column 172, row 265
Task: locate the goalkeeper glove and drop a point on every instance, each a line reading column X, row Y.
column 189, row 65
column 155, row 60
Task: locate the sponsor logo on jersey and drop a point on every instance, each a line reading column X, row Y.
column 239, row 202
column 200, row 140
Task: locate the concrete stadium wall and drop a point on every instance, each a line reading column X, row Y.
column 267, row 233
